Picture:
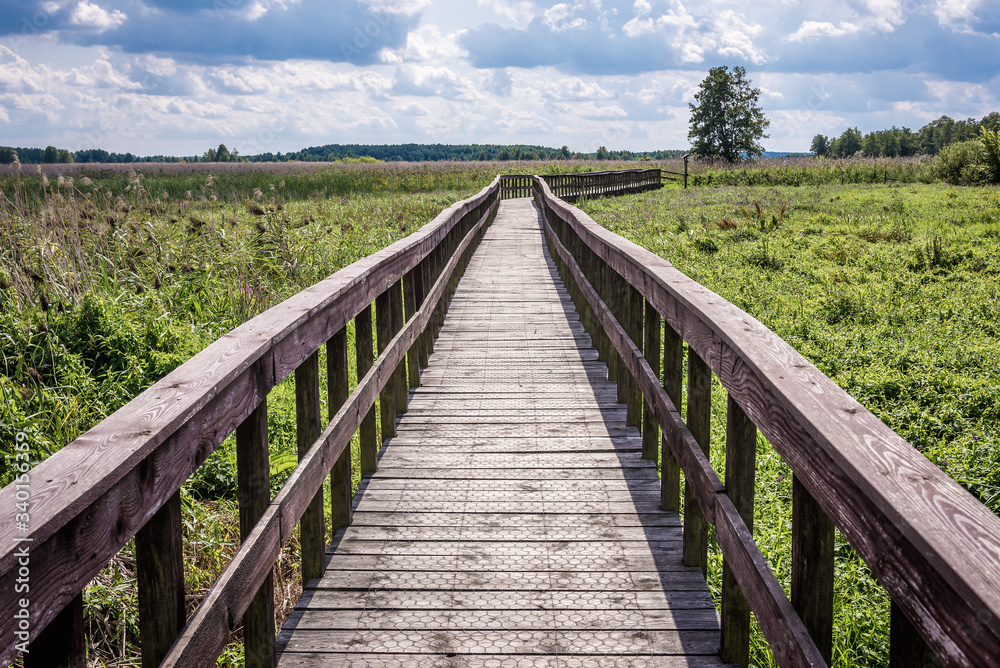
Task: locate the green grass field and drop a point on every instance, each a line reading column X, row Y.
column 892, row 291
column 110, row 280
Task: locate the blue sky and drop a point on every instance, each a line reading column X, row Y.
column 151, row 76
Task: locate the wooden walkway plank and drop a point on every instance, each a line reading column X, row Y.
column 512, row 520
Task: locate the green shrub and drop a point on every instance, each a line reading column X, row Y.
column 991, row 151
column 962, row 164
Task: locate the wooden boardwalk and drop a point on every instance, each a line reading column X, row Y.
column 511, row 521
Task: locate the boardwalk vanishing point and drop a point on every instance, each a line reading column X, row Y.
column 512, row 521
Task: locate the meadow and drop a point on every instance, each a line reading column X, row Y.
column 893, row 291
column 110, row 277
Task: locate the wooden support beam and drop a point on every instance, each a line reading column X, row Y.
column 308, row 429
column 673, row 379
column 62, row 642
column 651, row 351
column 400, row 389
column 159, row 560
column 813, row 567
column 419, row 281
column 364, row 358
column 338, row 387
column 633, row 325
column 698, row 420
column 254, row 493
column 741, row 468
column 387, row 398
column 410, row 307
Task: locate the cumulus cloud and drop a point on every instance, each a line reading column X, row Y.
column 89, row 15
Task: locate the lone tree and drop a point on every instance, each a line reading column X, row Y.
column 726, row 122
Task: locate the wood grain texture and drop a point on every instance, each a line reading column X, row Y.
column 410, row 307
column 933, row 546
column 399, row 385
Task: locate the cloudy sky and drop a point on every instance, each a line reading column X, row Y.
column 152, row 76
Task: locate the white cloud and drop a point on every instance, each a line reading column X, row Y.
column 636, row 26
column 407, row 7
column 521, row 12
column 736, row 37
column 814, row 29
column 89, row 15
column 426, row 43
column 560, row 17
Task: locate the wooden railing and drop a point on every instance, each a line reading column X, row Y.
column 122, row 478
column 929, row 543
column 600, row 184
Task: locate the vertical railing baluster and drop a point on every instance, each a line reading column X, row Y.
column 410, row 307
column 812, row 567
column 363, row 354
column 673, row 382
column 699, row 415
column 159, row 561
column 387, row 398
column 62, row 642
column 308, row 429
column 338, row 388
column 651, row 351
column 633, row 326
column 254, row 493
column 907, row 649
column 400, row 388
column 741, row 468
column 420, row 287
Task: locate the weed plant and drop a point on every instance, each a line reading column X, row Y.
column 892, row 291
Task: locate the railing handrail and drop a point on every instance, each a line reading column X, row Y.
column 931, row 544
column 91, row 497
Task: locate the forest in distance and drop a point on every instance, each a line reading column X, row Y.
column 888, row 143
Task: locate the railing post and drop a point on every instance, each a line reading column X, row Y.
column 307, row 423
column 633, row 326
column 699, row 415
column 400, row 388
column 907, row 648
column 651, row 351
column 741, row 469
column 420, row 291
column 410, row 307
column 62, row 642
column 363, row 353
column 387, row 398
column 812, row 567
column 622, row 303
column 338, row 388
column 673, row 380
column 254, row 493
column 159, row 561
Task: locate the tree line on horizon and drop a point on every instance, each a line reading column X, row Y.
column 903, row 142
column 340, row 153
